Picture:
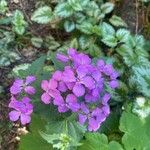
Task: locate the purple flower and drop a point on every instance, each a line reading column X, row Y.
column 50, row 90
column 70, row 103
column 114, row 84
column 20, row 85
column 22, row 109
column 81, row 88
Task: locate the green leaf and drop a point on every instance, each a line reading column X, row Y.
column 97, row 141
column 110, row 41
column 141, row 78
column 42, row 15
column 63, row 10
column 117, row 21
column 69, row 26
column 19, row 24
column 133, row 128
column 107, row 7
column 37, row 42
column 3, row 6
column 33, row 140
column 85, row 27
column 107, row 29
column 75, row 4
column 67, row 126
column 122, row 35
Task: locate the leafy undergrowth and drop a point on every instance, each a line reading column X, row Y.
column 35, row 31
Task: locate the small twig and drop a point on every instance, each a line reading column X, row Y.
column 137, row 18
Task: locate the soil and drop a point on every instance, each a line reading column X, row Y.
column 134, row 13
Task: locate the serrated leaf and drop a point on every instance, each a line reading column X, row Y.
column 69, row 26
column 107, row 7
column 97, row 141
column 33, row 140
column 19, row 24
column 85, row 27
column 75, row 4
column 133, row 128
column 37, row 41
column 107, row 29
column 122, row 35
column 117, row 21
column 63, row 10
column 3, row 6
column 42, row 15
column 110, row 41
column 141, row 78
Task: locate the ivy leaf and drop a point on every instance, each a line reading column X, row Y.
column 63, row 10
column 110, row 41
column 117, row 21
column 69, row 26
column 122, row 35
column 107, row 7
column 33, row 140
column 42, row 15
column 133, row 128
column 97, row 141
column 19, row 24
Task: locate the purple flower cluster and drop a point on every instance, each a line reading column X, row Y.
column 81, row 88
column 21, row 109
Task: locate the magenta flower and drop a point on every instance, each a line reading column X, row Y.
column 50, row 90
column 81, row 86
column 20, row 85
column 22, row 110
column 69, row 103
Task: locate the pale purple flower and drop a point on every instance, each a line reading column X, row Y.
column 69, row 103
column 20, row 85
column 81, row 88
column 50, row 90
column 21, row 110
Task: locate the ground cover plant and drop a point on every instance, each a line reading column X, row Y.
column 79, row 76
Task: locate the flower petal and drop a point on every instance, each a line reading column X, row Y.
column 44, row 85
column 46, row 98
column 15, row 89
column 62, row 86
column 78, row 90
column 114, row 84
column 30, row 90
column 52, row 84
column 62, row 57
column 57, row 75
column 30, row 79
column 82, row 119
column 14, row 115
column 25, row 119
column 88, row 82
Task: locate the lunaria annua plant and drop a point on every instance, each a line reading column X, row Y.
column 81, row 88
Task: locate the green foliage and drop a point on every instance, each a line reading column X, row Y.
column 42, row 15
column 133, row 128
column 97, row 141
column 7, row 54
column 19, row 24
column 33, row 140
column 117, row 21
column 3, row 6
